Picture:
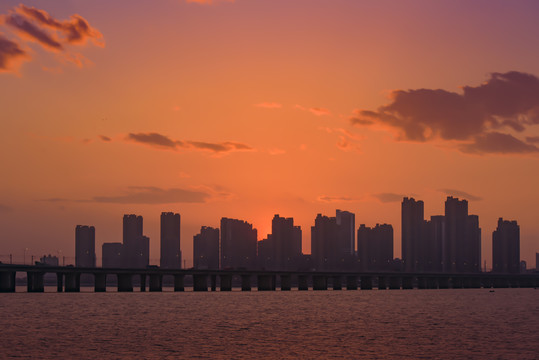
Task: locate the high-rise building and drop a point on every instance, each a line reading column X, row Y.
column 171, row 255
column 375, row 247
column 112, row 255
column 413, row 234
column 347, row 232
column 537, row 262
column 435, row 243
column 84, row 246
column 135, row 244
column 506, row 247
column 324, row 243
column 206, row 249
column 238, row 244
column 283, row 245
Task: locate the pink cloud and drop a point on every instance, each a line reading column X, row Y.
column 269, row 105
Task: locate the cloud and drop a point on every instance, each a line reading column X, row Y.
column 38, row 26
column 314, row 110
column 5, row 208
column 164, row 142
column 11, row 55
column 154, row 195
column 474, row 118
column 389, row 197
column 208, row 2
column 462, row 194
column 532, row 139
column 269, row 105
column 105, row 138
column 348, row 141
column 276, row 151
column 332, row 199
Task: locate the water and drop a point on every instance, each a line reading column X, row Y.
column 440, row 324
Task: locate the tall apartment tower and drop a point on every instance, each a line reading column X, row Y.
column 347, row 232
column 171, row 255
column 206, row 249
column 324, row 243
column 506, row 247
column 84, row 246
column 413, row 233
column 284, row 243
column 135, row 244
column 238, row 244
column 375, row 247
column 435, row 243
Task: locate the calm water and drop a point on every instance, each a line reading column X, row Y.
column 445, row 324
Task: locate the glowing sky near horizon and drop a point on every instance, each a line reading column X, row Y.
column 251, row 108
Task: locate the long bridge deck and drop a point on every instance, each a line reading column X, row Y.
column 68, row 279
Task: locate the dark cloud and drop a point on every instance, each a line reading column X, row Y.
column 155, row 195
column 477, row 116
column 34, row 32
column 105, row 138
column 389, row 197
column 462, row 194
column 325, row 198
column 5, row 208
column 10, row 54
column 497, row 143
column 532, row 139
column 164, row 142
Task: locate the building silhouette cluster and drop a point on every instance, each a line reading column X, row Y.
column 449, row 243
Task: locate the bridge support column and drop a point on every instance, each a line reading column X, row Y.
column 200, row 282
column 475, row 283
column 7, row 281
column 525, row 282
column 351, row 282
column 125, row 282
column 100, row 282
column 422, row 282
column 34, row 281
column 366, row 282
column 382, row 283
column 286, row 282
column 246, row 282
column 59, row 282
column 443, row 282
column 457, row 283
column 178, row 283
column 266, row 282
column 513, row 281
column 142, row 282
column 213, row 282
column 226, row 282
column 156, row 282
column 407, row 282
column 394, row 283
column 303, row 282
column 337, row 283
column 320, row 282
column 500, row 282
column 72, row 282
column 432, row 283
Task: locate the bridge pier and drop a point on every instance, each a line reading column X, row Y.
column 156, row 282
column 366, row 282
column 457, row 283
column 382, row 283
column 432, row 283
column 303, row 282
column 394, row 283
column 266, row 282
column 213, row 282
column 178, row 283
column 226, row 282
column 125, row 282
column 72, row 280
column 34, row 281
column 443, row 282
column 59, row 282
column 475, row 283
column 100, row 282
column 286, row 282
column 200, row 282
column 7, row 281
column 142, row 282
column 500, row 282
column 337, row 283
column 407, row 282
column 421, row 282
column 351, row 282
column 246, row 282
column 320, row 282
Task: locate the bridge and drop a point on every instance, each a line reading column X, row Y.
column 68, row 279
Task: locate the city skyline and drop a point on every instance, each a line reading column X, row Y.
column 347, row 104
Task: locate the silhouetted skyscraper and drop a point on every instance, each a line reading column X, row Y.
column 347, row 232
column 238, row 244
column 206, row 249
column 435, row 243
column 284, row 244
column 171, row 255
column 135, row 244
column 375, row 247
column 413, row 233
column 84, row 246
column 112, row 254
column 506, row 247
column 324, row 243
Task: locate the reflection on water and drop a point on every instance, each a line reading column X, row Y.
column 230, row 325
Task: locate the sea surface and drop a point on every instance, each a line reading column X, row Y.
column 375, row 324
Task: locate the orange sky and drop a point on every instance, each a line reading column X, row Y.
column 250, row 108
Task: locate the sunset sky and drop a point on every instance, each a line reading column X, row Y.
column 251, row 108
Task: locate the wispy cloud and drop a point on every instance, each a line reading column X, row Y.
column 462, row 194
column 318, row 111
column 160, row 141
column 481, row 120
column 105, row 138
column 154, row 195
column 388, row 197
column 332, row 199
column 269, row 105
column 11, row 55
